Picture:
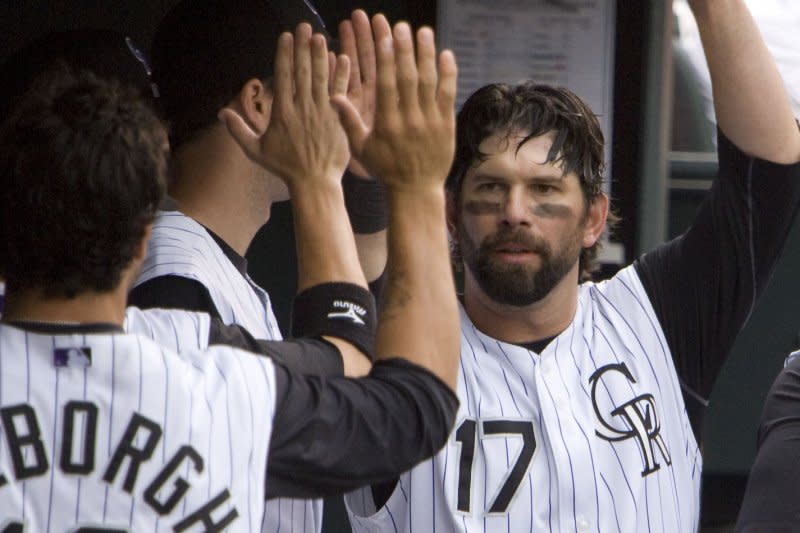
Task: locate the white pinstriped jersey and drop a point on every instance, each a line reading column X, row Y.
column 112, row 429
column 181, row 246
column 174, row 329
column 591, row 435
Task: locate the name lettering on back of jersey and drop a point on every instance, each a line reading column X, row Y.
column 22, row 433
column 80, row 356
column 638, row 417
column 353, row 311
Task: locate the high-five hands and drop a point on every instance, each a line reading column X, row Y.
column 412, row 140
column 356, row 42
column 406, row 137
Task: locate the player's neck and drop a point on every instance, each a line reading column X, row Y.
column 216, row 185
column 87, row 308
column 544, row 319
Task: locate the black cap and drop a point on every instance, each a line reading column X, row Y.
column 107, row 54
column 205, row 50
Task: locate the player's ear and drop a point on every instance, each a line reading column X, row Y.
column 596, row 216
column 254, row 101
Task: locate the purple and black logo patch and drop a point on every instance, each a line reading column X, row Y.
column 73, row 356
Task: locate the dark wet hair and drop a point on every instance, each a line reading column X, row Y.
column 533, row 110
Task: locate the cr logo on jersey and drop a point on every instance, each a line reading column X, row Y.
column 638, row 417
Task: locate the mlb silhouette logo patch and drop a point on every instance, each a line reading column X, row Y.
column 73, row 356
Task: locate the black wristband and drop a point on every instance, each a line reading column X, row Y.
column 365, row 200
column 342, row 310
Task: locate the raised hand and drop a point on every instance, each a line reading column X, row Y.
column 752, row 106
column 304, row 142
column 412, row 140
column 355, row 37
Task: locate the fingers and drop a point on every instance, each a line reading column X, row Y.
column 302, row 59
column 347, row 43
column 365, row 47
column 353, row 125
column 426, row 63
column 407, row 76
column 448, row 77
column 331, row 71
column 284, row 71
column 386, row 81
column 341, row 77
column 240, row 131
column 319, row 68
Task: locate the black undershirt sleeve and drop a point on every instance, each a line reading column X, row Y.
column 310, row 356
column 332, row 435
column 306, row 356
column 173, row 292
column 704, row 284
column 770, row 503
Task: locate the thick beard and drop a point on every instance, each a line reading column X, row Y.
column 518, row 285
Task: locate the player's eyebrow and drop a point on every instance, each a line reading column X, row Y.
column 484, row 176
column 547, row 178
column 543, row 178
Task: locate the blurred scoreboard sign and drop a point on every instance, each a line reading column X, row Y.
column 567, row 43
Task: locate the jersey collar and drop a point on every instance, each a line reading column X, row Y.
column 61, row 328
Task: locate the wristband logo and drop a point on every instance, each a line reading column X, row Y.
column 353, row 312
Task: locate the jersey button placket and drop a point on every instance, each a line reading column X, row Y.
column 553, row 403
column 550, row 376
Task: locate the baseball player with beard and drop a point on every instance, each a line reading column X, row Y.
column 103, row 430
column 580, row 401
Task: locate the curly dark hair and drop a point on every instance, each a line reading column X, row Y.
column 82, row 171
column 534, row 110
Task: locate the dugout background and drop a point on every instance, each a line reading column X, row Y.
column 660, row 174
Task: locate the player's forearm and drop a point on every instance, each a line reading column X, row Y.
column 326, row 252
column 365, row 200
column 751, row 103
column 326, row 249
column 418, row 295
column 372, row 253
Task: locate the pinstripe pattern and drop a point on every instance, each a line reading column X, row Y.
column 181, row 246
column 156, row 384
column 576, row 480
column 173, row 329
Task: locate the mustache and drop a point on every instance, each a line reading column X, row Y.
column 516, row 237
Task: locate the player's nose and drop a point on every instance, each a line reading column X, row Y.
column 517, row 208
